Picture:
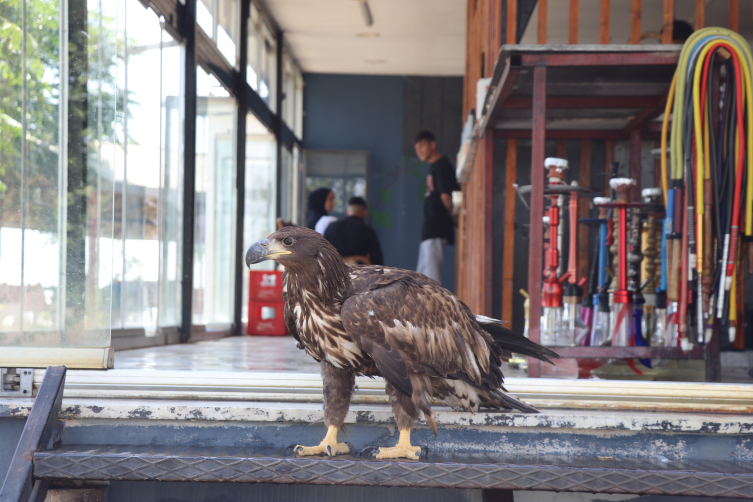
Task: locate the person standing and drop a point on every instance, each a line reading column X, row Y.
column 353, row 237
column 438, row 229
column 321, row 202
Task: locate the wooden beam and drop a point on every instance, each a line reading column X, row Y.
column 536, row 238
column 562, row 149
column 700, row 14
column 495, row 9
column 512, row 21
column 508, row 250
column 488, row 229
column 543, row 19
column 574, row 18
column 585, row 181
column 602, row 59
column 604, row 21
column 668, row 22
column 581, row 102
column 733, row 15
column 608, row 159
column 561, row 134
column 635, row 22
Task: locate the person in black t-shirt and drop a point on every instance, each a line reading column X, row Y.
column 352, row 236
column 438, row 229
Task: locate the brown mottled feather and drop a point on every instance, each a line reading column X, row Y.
column 399, row 324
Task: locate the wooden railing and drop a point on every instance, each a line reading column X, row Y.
column 605, row 19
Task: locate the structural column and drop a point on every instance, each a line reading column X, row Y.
column 240, row 173
column 536, row 240
column 189, row 166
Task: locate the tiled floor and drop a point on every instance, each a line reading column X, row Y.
column 237, row 353
column 269, row 354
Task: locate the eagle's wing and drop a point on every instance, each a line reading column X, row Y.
column 409, row 325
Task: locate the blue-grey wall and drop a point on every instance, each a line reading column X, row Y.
column 365, row 112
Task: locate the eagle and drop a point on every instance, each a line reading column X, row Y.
column 397, row 324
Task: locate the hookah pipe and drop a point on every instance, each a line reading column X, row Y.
column 555, row 176
column 587, row 306
column 650, row 196
column 574, row 289
column 600, row 334
column 622, row 297
column 553, row 285
column 635, row 257
column 644, row 314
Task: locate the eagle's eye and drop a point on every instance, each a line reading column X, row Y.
column 288, row 241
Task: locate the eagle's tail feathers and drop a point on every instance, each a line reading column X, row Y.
column 513, row 342
column 507, row 401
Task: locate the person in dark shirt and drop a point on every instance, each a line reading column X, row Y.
column 352, row 236
column 438, row 229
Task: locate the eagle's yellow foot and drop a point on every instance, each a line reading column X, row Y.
column 403, row 449
column 329, row 446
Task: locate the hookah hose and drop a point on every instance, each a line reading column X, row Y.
column 707, row 164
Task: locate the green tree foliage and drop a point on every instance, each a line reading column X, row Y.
column 103, row 52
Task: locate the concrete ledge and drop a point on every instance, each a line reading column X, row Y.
column 287, row 412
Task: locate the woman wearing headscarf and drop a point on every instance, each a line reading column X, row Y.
column 321, row 202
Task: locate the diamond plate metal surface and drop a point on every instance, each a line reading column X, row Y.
column 719, row 479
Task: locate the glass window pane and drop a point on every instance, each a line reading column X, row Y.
column 268, row 76
column 288, row 103
column 44, row 221
column 260, row 193
column 298, row 104
column 228, row 29
column 205, row 16
column 149, row 194
column 215, row 203
column 254, row 50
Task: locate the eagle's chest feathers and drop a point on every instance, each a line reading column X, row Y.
column 321, row 331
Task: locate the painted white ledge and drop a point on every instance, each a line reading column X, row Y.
column 75, row 409
column 301, row 388
column 73, row 357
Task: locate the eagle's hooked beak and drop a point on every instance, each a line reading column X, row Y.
column 264, row 250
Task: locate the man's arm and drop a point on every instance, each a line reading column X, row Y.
column 447, row 201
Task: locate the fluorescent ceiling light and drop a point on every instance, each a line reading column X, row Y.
column 366, row 11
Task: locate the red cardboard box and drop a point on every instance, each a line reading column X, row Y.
column 265, row 285
column 266, row 318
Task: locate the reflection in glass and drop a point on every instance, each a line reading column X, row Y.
column 345, row 172
column 215, row 203
column 148, row 182
column 260, row 194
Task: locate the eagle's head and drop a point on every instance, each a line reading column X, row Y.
column 293, row 247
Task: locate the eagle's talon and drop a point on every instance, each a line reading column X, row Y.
column 369, row 451
column 425, row 452
column 285, row 451
column 328, row 447
column 351, row 447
